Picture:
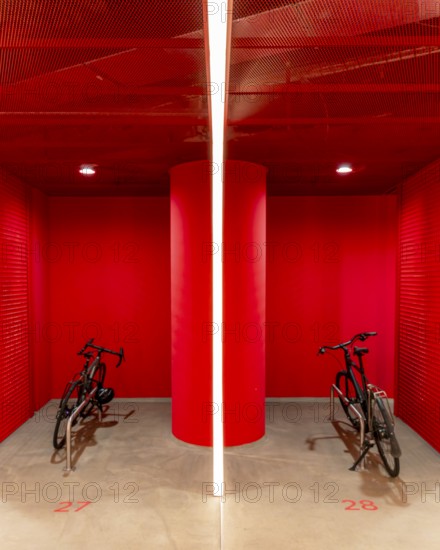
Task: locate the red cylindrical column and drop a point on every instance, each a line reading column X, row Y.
column 242, row 330
column 244, row 272
column 191, row 302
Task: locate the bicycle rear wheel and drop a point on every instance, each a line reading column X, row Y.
column 70, row 401
column 383, row 431
column 345, row 384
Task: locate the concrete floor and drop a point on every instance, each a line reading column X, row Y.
column 136, row 486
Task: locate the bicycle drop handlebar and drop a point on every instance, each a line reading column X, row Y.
column 361, row 336
column 100, row 349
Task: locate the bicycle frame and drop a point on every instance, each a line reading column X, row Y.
column 88, row 371
column 362, row 393
column 366, row 393
column 85, row 377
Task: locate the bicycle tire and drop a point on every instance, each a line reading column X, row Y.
column 345, row 384
column 385, row 438
column 68, row 404
column 98, row 379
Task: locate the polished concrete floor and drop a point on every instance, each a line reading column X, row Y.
column 136, row 486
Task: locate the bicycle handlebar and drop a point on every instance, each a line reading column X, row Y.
column 100, row 349
column 361, row 336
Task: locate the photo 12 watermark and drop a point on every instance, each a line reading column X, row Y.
column 272, row 252
column 291, row 412
column 71, row 252
column 252, row 332
column 69, row 493
column 69, row 332
column 421, row 491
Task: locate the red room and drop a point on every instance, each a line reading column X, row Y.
column 214, row 284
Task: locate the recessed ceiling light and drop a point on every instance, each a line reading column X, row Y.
column 344, row 169
column 87, row 169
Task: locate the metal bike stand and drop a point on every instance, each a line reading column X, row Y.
column 76, row 412
column 350, row 406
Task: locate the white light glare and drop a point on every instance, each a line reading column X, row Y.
column 217, row 29
column 87, row 169
column 344, row 169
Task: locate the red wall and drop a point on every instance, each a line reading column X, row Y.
column 331, row 270
column 101, row 267
column 109, row 277
column 39, row 298
column 418, row 381
column 15, row 372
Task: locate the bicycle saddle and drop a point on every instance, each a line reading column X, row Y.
column 360, row 351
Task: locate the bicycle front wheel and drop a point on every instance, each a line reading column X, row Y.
column 383, row 431
column 68, row 404
column 345, row 384
column 97, row 380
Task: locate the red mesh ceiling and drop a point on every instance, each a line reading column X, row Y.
column 312, row 84
column 117, row 84
column 317, row 83
column 87, row 30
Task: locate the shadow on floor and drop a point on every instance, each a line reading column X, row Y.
column 375, row 481
column 83, row 435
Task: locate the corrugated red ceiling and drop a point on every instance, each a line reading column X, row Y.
column 313, row 83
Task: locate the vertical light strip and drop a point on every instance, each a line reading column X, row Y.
column 217, row 16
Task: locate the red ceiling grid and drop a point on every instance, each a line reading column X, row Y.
column 45, row 32
column 15, row 391
column 122, row 87
column 418, row 381
column 316, row 83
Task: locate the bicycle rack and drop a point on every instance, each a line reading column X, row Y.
column 72, row 417
column 334, row 389
column 378, row 392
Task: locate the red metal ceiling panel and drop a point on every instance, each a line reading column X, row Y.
column 313, row 83
column 123, row 87
column 316, row 83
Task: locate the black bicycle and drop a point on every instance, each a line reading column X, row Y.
column 88, row 385
column 366, row 406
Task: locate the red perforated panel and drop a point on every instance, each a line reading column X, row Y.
column 118, row 84
column 15, row 394
column 317, row 83
column 418, row 384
